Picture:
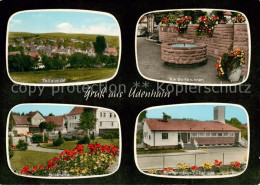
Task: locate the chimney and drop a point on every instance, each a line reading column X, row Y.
column 165, row 117
column 219, row 114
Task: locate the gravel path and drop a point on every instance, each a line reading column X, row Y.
column 34, row 147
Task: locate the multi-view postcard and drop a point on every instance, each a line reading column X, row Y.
column 63, row 141
column 192, row 141
column 201, row 47
column 62, row 46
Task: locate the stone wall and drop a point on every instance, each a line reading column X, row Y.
column 213, row 140
column 225, row 38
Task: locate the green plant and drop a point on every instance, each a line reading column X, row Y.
column 37, row 138
column 139, row 136
column 206, row 25
column 110, row 135
column 58, row 142
column 84, row 140
column 181, row 25
column 22, row 145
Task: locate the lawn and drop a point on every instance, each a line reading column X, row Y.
column 71, row 144
column 30, row 158
column 153, row 151
column 71, row 75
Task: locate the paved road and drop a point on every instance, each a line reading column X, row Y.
column 159, row 161
column 151, row 66
column 34, row 147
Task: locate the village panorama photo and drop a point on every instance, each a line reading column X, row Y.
column 199, row 47
column 62, row 46
column 63, row 141
column 192, row 141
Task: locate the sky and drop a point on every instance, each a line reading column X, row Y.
column 63, row 21
column 44, row 109
column 198, row 112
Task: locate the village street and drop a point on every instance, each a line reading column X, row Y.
column 163, row 160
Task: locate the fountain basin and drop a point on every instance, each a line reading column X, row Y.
column 183, row 53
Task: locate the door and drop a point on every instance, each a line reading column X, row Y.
column 237, row 137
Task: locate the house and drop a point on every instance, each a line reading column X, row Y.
column 164, row 133
column 106, row 121
column 28, row 123
column 111, row 51
column 14, row 53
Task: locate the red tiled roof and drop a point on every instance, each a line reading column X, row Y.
column 33, row 54
column 186, row 125
column 31, row 114
column 21, row 120
column 76, row 110
column 112, row 50
column 57, row 120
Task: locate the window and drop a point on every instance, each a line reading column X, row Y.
column 104, row 114
column 101, row 114
column 164, row 135
column 114, row 115
column 194, row 134
column 201, row 134
column 179, row 137
column 100, row 124
column 75, row 117
column 226, row 134
column 149, row 137
column 214, row 134
column 232, row 134
column 110, row 115
column 112, row 124
column 220, row 134
column 208, row 134
column 145, row 134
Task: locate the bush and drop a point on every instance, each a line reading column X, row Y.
column 37, row 138
column 84, row 140
column 139, row 136
column 58, row 142
column 73, row 138
column 11, row 152
column 92, row 136
column 22, row 145
column 110, row 135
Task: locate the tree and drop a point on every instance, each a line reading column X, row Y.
column 43, row 125
column 100, row 44
column 11, row 122
column 50, row 126
column 142, row 116
column 51, row 114
column 194, row 14
column 87, row 120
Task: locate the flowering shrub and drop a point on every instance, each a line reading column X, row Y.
column 229, row 61
column 194, row 168
column 184, row 166
column 95, row 160
column 206, row 25
column 239, row 19
column 218, row 165
column 181, row 25
column 207, row 165
column 152, row 171
column 167, row 171
column 235, row 165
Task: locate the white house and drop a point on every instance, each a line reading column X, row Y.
column 164, row 133
column 106, row 121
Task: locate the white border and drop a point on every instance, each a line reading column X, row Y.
column 74, row 177
column 70, row 83
column 188, row 83
column 193, row 177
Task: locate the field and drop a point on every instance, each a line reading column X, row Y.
column 30, row 158
column 71, row 75
column 111, row 40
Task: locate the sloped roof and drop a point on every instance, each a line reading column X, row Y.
column 76, row 110
column 21, row 120
column 186, row 125
column 57, row 120
column 33, row 113
column 112, row 50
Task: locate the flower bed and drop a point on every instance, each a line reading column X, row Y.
column 206, row 25
column 207, row 168
column 77, row 162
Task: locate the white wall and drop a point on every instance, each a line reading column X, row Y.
column 37, row 119
column 106, row 120
column 21, row 130
column 146, row 133
column 73, row 121
column 172, row 138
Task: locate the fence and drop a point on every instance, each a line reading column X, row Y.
column 156, row 161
